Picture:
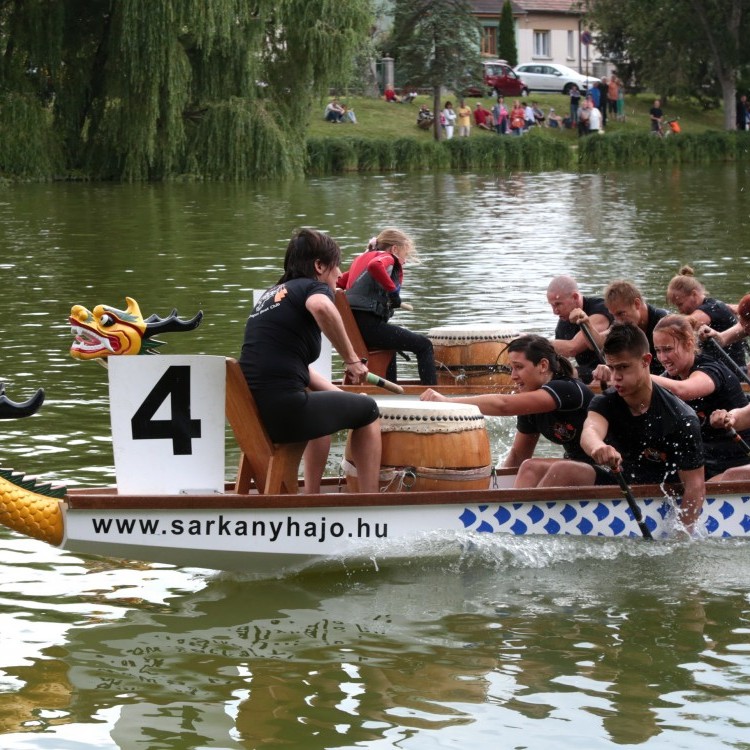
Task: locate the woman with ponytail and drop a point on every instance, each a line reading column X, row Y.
column 548, row 401
column 690, row 298
column 373, row 285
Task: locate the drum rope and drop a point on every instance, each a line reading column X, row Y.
column 469, row 371
column 403, row 478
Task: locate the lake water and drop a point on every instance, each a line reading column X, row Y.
column 510, row 642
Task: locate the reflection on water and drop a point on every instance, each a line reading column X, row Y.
column 513, row 635
column 598, row 641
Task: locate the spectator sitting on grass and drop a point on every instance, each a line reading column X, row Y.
column 553, row 119
column 334, row 112
column 425, row 118
column 390, row 95
column 538, row 113
column 482, row 117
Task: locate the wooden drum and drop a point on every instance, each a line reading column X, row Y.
column 472, row 354
column 430, row 446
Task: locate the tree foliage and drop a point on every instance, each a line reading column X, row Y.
column 689, row 47
column 144, row 89
column 436, row 45
column 506, row 37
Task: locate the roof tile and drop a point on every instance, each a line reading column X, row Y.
column 492, row 7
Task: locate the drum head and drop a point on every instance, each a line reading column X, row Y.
column 428, row 416
column 470, row 334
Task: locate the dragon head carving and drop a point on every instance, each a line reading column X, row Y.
column 107, row 331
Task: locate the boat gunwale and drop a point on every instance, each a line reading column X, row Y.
column 109, row 499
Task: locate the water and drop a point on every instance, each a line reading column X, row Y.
column 526, row 643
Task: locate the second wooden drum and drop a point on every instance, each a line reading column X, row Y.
column 472, row 354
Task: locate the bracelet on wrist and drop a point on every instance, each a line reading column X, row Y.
column 357, row 361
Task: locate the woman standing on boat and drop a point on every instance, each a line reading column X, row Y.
column 549, row 401
column 703, row 383
column 689, row 296
column 282, row 339
column 373, row 285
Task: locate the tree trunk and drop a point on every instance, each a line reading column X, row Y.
column 727, row 73
column 436, row 129
column 729, row 93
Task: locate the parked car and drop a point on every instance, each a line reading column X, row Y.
column 499, row 78
column 553, row 77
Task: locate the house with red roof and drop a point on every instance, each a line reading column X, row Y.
column 546, row 31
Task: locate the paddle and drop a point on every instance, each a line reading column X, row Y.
column 738, row 439
column 632, row 504
column 373, row 379
column 587, row 333
column 721, row 354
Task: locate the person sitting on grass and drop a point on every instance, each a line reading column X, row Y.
column 333, row 112
column 425, row 118
column 538, row 113
column 390, row 95
column 554, row 120
column 482, row 117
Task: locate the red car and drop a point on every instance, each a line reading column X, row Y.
column 499, row 78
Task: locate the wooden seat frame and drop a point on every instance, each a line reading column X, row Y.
column 272, row 467
column 377, row 359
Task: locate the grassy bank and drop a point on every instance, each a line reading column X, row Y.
column 386, row 138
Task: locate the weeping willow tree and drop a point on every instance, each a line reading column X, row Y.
column 152, row 89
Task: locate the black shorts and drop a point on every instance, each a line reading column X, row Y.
column 294, row 416
column 605, row 477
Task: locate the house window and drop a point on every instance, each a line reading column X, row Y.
column 489, row 41
column 571, row 46
column 541, row 44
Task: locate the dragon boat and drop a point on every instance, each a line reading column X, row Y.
column 171, row 502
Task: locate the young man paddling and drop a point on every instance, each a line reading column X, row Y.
column 626, row 304
column 639, row 428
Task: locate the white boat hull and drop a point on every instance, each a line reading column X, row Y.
column 305, row 530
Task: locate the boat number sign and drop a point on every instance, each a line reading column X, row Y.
column 168, row 423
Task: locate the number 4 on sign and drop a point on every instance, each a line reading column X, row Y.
column 180, row 428
column 168, row 425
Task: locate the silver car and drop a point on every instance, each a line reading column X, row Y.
column 553, row 77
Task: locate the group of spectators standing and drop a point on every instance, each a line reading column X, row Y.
column 516, row 120
column 588, row 112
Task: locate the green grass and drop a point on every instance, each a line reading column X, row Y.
column 386, row 138
column 378, row 119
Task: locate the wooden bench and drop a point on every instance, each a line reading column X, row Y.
column 272, row 467
column 377, row 359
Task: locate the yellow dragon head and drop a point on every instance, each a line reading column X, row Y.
column 107, row 331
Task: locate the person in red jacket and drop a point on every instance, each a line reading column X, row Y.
column 372, row 287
